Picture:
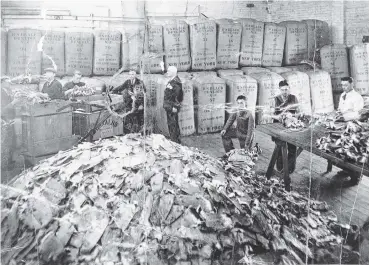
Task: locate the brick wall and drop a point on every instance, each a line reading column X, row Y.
column 356, row 21
column 348, row 19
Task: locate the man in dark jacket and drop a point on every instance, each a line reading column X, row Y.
column 75, row 82
column 244, row 130
column 286, row 102
column 133, row 102
column 128, row 84
column 52, row 87
column 173, row 97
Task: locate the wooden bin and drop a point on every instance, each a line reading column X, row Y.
column 46, row 131
column 83, row 122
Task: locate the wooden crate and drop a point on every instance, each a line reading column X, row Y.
column 46, row 131
column 88, row 102
column 48, row 149
column 84, row 122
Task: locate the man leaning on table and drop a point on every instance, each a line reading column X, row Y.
column 351, row 102
column 350, row 105
column 286, row 103
column 75, row 82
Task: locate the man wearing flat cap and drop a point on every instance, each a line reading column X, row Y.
column 75, row 82
column 52, row 87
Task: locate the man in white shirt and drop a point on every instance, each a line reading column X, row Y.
column 351, row 102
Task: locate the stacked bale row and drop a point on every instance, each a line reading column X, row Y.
column 208, row 99
column 197, row 45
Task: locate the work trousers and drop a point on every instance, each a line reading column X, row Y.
column 227, row 140
column 291, row 153
column 173, row 127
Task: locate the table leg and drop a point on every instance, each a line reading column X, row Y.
column 299, row 151
column 269, row 172
column 286, row 176
column 329, row 166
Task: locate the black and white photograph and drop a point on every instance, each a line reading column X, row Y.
column 184, row 132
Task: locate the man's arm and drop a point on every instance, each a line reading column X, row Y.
column 168, row 103
column 294, row 102
column 118, row 89
column 250, row 129
column 230, row 121
column 340, row 103
column 359, row 103
column 180, row 92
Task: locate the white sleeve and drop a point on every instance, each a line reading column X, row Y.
column 340, row 103
column 359, row 103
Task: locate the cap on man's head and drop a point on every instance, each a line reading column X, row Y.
column 50, row 70
column 348, row 79
column 283, row 83
column 77, row 72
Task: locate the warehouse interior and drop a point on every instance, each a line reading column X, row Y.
column 116, row 143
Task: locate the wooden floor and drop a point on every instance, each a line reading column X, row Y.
column 351, row 205
column 348, row 203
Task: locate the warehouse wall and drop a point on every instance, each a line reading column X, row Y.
column 356, row 21
column 348, row 19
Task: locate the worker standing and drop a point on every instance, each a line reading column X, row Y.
column 350, row 105
column 138, row 107
column 351, row 102
column 52, row 87
column 244, row 130
column 286, row 103
column 173, row 97
column 75, row 82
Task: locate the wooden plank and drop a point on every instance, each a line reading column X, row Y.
column 303, row 139
column 45, row 109
column 84, row 122
column 52, row 146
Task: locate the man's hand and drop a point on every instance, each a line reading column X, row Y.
column 15, row 101
column 68, row 92
column 223, row 132
column 140, row 107
column 174, row 110
column 169, row 86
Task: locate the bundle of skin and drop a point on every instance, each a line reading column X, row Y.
column 30, row 97
column 83, row 91
column 291, row 122
column 351, row 142
column 145, row 200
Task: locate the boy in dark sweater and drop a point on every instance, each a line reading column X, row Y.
column 286, row 102
column 244, row 130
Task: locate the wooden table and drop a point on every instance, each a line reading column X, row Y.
column 304, row 139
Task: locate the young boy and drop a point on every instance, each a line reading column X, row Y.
column 244, row 130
